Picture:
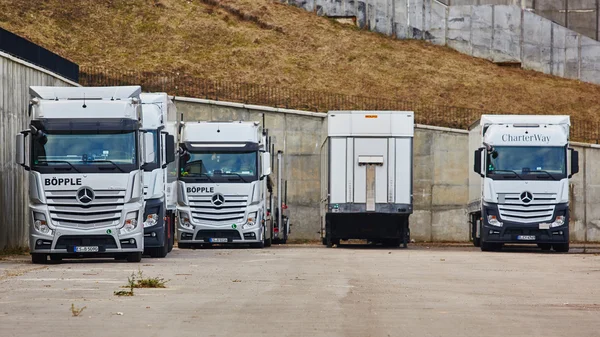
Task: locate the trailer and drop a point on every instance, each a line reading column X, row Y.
column 366, row 177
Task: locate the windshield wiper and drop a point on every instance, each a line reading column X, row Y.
column 509, row 171
column 196, row 175
column 60, row 161
column 542, row 171
column 108, row 161
column 234, row 174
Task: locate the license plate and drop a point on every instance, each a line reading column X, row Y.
column 526, row 237
column 86, row 249
column 217, row 240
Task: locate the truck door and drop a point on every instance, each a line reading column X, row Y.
column 370, row 171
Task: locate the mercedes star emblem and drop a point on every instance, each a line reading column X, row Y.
column 217, row 199
column 526, row 197
column 85, row 195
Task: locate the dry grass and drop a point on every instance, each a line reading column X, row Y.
column 265, row 42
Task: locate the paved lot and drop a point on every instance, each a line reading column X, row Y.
column 310, row 291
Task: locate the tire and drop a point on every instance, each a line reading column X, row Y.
column 545, row 246
column 490, row 246
column 172, row 229
column 268, row 242
column 55, row 258
column 159, row 252
column 324, row 241
column 283, row 242
column 476, row 240
column 392, row 243
column 134, row 257
column 39, row 258
column 561, row 247
column 329, row 242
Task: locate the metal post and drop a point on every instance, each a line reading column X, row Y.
column 280, row 210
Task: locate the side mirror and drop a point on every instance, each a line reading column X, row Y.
column 477, row 164
column 149, row 152
column 170, row 148
column 20, row 149
column 574, row 162
column 266, row 164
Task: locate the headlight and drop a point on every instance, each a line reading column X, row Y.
column 151, row 220
column 560, row 220
column 130, row 223
column 252, row 220
column 492, row 220
column 40, row 224
column 185, row 222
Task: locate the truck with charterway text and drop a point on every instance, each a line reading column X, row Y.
column 85, row 152
column 366, row 177
column 222, row 184
column 519, row 184
column 159, row 214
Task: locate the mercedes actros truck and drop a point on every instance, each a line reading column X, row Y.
column 159, row 214
column 85, row 153
column 519, row 187
column 222, row 182
column 366, row 177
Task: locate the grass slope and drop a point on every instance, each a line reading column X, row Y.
column 265, row 42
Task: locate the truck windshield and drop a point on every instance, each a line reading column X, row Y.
column 219, row 166
column 527, row 162
column 86, row 152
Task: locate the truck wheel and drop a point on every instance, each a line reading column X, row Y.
column 328, row 242
column 490, row 247
column 172, row 229
column 476, row 240
column 268, row 242
column 324, row 241
column 134, row 257
column 561, row 247
column 159, row 252
column 544, row 246
column 39, row 258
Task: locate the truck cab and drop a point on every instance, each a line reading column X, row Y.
column 84, row 152
column 159, row 214
column 222, row 184
column 520, row 187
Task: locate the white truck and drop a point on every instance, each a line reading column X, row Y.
column 222, row 196
column 366, row 177
column 519, row 187
column 84, row 155
column 159, row 214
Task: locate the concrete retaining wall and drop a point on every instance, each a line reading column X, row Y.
column 497, row 30
column 15, row 78
column 440, row 172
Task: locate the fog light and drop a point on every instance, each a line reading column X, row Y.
column 494, row 232
column 493, row 221
column 131, row 241
column 153, row 234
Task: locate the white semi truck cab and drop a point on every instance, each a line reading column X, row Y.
column 159, row 214
column 84, row 153
column 222, row 197
column 519, row 187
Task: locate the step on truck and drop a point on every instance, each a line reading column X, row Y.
column 222, row 197
column 366, row 177
column 159, row 214
column 84, row 152
column 519, row 184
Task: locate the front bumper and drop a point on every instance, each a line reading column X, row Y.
column 525, row 233
column 108, row 240
column 206, row 234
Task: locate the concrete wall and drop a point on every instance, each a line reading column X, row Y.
column 497, row 30
column 15, row 78
column 441, row 167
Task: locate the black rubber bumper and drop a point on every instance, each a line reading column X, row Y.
column 159, row 239
column 368, row 226
column 514, row 232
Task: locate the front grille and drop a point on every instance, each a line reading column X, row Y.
column 230, row 234
column 526, row 214
column 230, row 212
column 105, row 241
column 104, row 211
column 515, row 198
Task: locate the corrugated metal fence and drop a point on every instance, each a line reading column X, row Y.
column 15, row 78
